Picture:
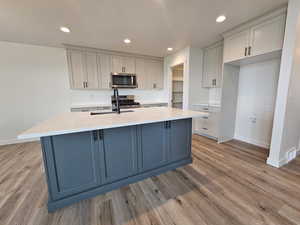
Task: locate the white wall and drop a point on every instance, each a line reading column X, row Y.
column 193, row 93
column 180, row 57
column 291, row 130
column 34, row 86
column 286, row 123
column 256, row 102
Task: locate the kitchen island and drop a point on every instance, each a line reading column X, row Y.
column 86, row 155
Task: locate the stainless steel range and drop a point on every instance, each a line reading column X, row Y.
column 125, row 102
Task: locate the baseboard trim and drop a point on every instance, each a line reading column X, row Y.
column 17, row 141
column 252, row 141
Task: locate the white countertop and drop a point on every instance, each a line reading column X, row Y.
column 87, row 105
column 72, row 122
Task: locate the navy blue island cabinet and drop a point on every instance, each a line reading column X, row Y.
column 85, row 164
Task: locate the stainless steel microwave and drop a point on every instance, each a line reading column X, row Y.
column 123, row 80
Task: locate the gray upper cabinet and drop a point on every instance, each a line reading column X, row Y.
column 81, row 172
column 123, row 64
column 120, row 152
column 154, row 145
column 212, row 66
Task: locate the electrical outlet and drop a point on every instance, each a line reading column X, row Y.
column 253, row 119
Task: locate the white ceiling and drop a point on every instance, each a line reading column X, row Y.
column 152, row 25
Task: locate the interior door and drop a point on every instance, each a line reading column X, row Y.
column 92, row 70
column 268, row 37
column 236, row 46
column 78, row 68
column 120, row 152
column 154, row 145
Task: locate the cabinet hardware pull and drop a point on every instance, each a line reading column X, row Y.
column 86, row 84
column 249, row 50
column 246, row 49
column 204, row 128
column 95, row 135
column 205, row 117
column 166, row 124
column 101, row 134
column 83, row 83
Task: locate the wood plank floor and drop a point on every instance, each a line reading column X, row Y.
column 226, row 184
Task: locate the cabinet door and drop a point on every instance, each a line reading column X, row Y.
column 92, row 70
column 180, row 139
column 210, row 67
column 77, row 67
column 218, row 78
column 117, row 64
column 154, row 145
column 129, row 65
column 154, row 71
column 235, row 46
column 120, row 152
column 268, row 36
column 141, row 74
column 104, row 68
column 72, row 161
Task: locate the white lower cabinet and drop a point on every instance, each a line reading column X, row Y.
column 207, row 125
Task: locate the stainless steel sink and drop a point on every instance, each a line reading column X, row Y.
column 103, row 113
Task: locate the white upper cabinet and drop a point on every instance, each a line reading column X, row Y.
column 260, row 38
column 268, row 36
column 154, row 70
column 212, row 66
column 92, row 71
column 76, row 61
column 141, row 75
column 235, row 46
column 123, row 64
column 149, row 74
column 104, row 71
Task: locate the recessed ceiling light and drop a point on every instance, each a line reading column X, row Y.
column 127, row 41
column 65, row 29
column 170, row 49
column 221, row 19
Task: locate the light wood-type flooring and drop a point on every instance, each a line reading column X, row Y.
column 226, row 184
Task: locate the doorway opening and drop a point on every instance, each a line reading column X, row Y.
column 177, row 86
